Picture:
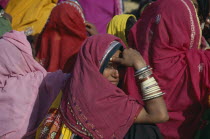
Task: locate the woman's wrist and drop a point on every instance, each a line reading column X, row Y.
column 139, row 65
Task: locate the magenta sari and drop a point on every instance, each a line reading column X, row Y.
column 100, row 12
column 169, row 40
column 103, row 109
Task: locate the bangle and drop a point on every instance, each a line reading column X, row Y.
column 154, row 96
column 150, row 88
column 141, row 70
column 140, row 80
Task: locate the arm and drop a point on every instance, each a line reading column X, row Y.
column 155, row 109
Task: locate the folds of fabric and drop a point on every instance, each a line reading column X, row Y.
column 20, row 77
column 30, row 14
column 169, row 41
column 100, row 13
column 117, row 26
column 105, row 110
column 62, row 37
column 21, row 80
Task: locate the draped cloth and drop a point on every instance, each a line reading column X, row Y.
column 117, row 26
column 21, row 80
column 62, row 37
column 99, row 12
column 4, row 3
column 30, row 14
column 169, row 40
column 101, row 107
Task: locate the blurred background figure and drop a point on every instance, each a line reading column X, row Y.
column 100, row 12
column 29, row 14
column 62, row 37
column 120, row 26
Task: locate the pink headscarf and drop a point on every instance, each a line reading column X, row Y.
column 168, row 37
column 21, row 77
column 102, row 108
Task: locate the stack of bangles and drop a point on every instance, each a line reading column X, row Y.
column 149, row 86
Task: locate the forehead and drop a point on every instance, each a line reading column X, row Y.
column 117, row 53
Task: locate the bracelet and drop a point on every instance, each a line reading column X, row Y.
column 144, row 79
column 141, row 70
column 149, row 86
column 144, row 75
column 154, row 96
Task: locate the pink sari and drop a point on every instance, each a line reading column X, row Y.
column 168, row 37
column 26, row 89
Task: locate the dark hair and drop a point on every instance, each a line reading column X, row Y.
column 203, row 8
column 130, row 22
column 1, row 7
column 109, row 55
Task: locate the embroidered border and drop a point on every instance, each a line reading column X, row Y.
column 192, row 35
column 76, row 5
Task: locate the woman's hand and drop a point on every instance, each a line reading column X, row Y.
column 130, row 58
column 91, row 28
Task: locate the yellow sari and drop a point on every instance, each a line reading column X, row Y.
column 30, row 14
column 117, row 26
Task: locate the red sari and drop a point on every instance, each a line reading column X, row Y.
column 169, row 41
column 62, row 37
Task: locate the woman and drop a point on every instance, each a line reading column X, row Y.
column 91, row 111
column 62, row 37
column 100, row 13
column 20, row 79
column 169, row 41
column 30, row 14
column 120, row 26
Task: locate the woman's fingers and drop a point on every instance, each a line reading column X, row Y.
column 130, row 58
column 91, row 28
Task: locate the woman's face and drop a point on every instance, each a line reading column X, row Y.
column 111, row 72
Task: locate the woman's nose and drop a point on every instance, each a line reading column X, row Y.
column 115, row 73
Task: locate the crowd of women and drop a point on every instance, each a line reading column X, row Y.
column 83, row 69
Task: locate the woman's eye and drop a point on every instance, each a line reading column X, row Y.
column 110, row 65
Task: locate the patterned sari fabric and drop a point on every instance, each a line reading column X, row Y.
column 30, row 14
column 62, row 37
column 169, row 40
column 52, row 126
